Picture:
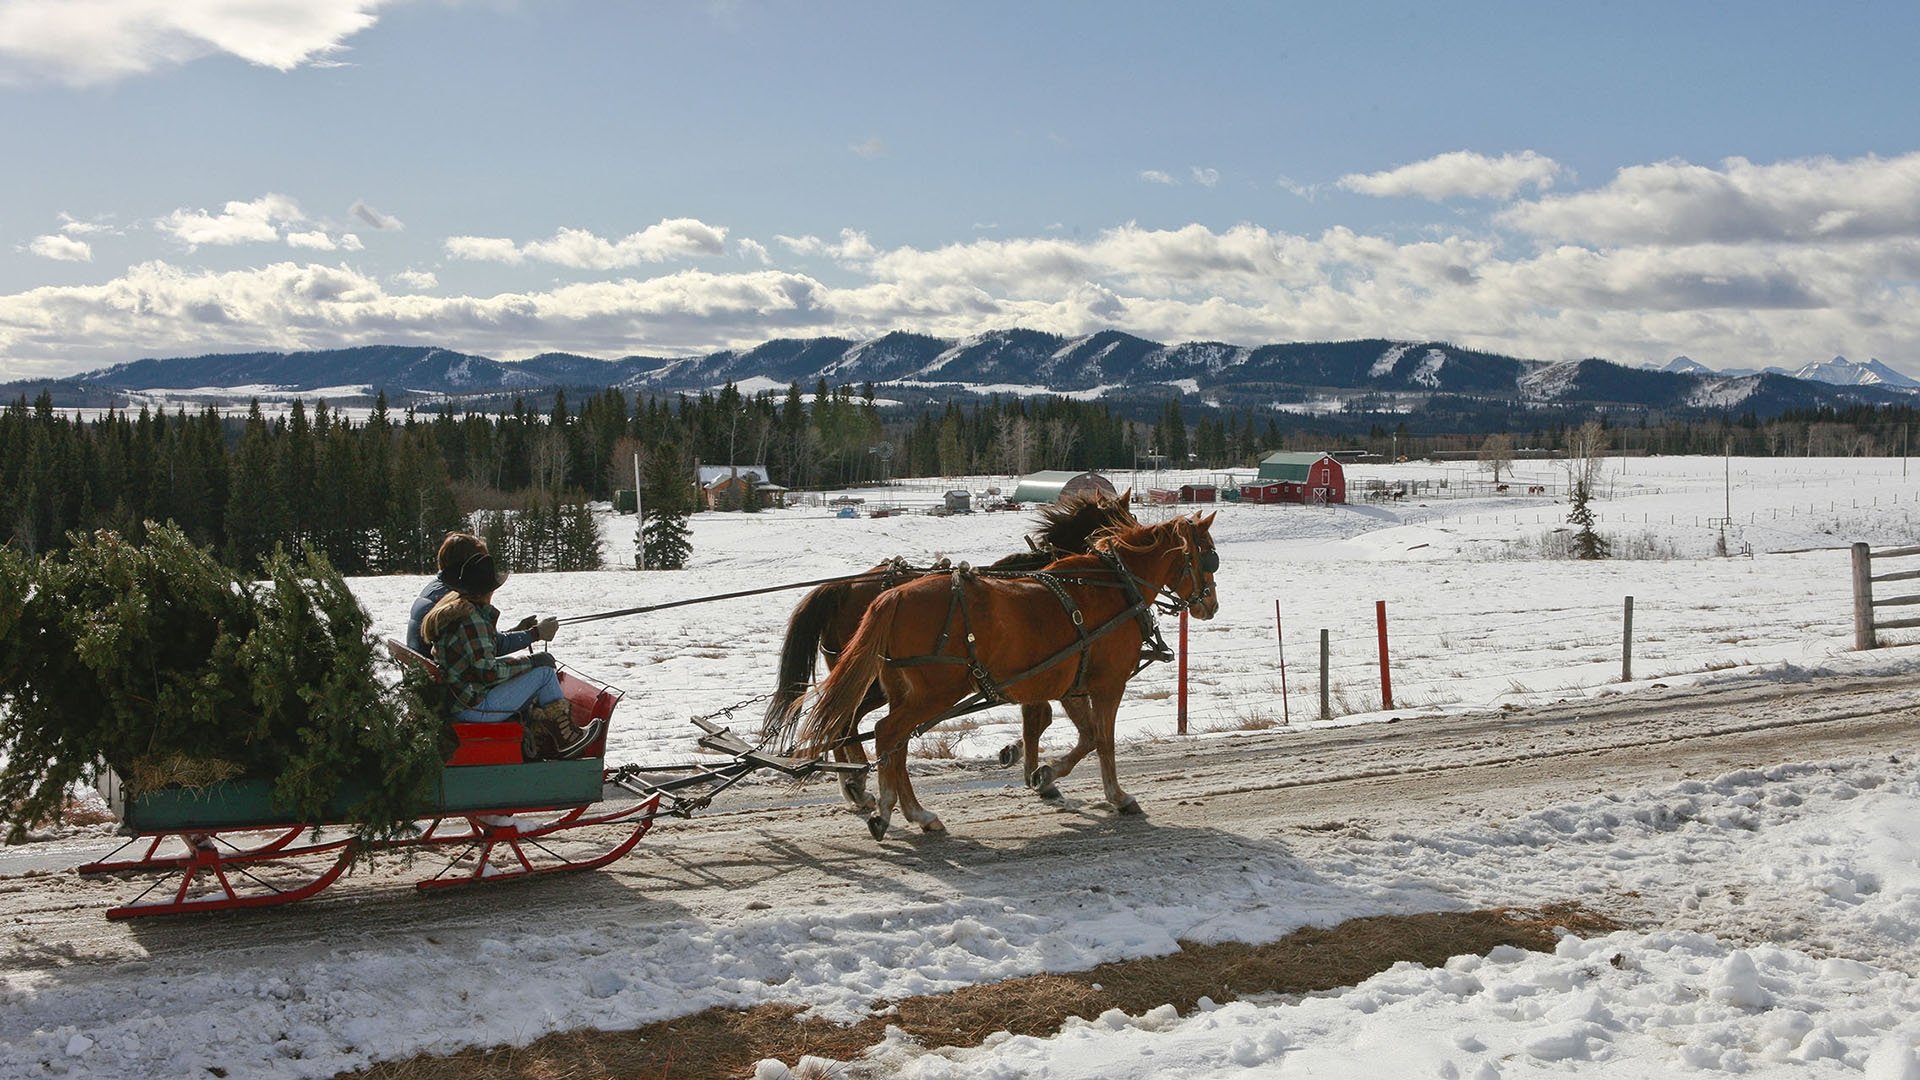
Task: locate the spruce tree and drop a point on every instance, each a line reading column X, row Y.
column 664, row 536
column 1587, row 544
column 164, row 663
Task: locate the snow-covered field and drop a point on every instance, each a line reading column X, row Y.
column 1829, row 850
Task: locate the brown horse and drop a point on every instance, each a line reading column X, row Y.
column 826, row 618
column 1076, row 633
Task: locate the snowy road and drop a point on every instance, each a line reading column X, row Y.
column 1211, row 805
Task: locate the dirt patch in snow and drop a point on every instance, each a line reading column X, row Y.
column 727, row 1042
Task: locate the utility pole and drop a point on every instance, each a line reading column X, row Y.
column 639, row 514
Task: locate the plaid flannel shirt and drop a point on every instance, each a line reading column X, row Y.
column 468, row 652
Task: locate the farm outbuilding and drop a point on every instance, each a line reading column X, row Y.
column 958, row 501
column 1185, row 493
column 725, row 487
column 1298, row 477
column 1052, row 485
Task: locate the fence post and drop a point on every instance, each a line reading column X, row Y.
column 1626, row 643
column 1286, row 715
column 1181, row 720
column 1386, row 680
column 1862, row 597
column 1326, row 710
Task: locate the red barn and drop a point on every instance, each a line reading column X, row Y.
column 1298, row 478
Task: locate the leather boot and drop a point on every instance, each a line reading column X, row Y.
column 552, row 728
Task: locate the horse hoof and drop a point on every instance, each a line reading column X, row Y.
column 1041, row 778
column 1050, row 793
column 1010, row 755
column 1130, row 805
column 933, row 824
column 877, row 825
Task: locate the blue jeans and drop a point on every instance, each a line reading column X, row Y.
column 540, row 686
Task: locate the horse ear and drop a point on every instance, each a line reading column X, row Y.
column 1206, row 522
column 1126, row 497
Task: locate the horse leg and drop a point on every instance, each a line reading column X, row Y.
column 890, row 738
column 853, row 786
column 1045, row 776
column 1105, row 710
column 1035, row 718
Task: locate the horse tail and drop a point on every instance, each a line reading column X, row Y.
column 798, row 654
column 836, row 709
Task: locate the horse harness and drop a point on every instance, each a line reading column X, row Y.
column 987, row 690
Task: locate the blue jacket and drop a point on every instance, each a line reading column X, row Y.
column 509, row 641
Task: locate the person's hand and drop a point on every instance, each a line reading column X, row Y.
column 543, row 659
column 526, row 624
column 546, row 628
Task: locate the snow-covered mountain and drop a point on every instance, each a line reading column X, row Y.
column 1686, row 365
column 1841, row 371
column 1109, row 363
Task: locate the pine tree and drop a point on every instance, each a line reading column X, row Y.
column 664, row 536
column 256, row 509
column 1587, row 544
column 153, row 655
column 580, row 537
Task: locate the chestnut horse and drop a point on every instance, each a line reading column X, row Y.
column 1073, row 633
column 826, row 618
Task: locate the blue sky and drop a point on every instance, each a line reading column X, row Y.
column 1636, row 181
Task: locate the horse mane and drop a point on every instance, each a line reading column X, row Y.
column 1136, row 537
column 1071, row 524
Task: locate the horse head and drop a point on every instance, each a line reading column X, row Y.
column 1194, row 586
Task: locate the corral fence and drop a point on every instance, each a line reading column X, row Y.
column 1866, row 624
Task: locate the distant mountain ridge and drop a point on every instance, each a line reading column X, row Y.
column 1838, row 371
column 1372, row 372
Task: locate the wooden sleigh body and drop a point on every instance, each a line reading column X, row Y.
column 492, row 818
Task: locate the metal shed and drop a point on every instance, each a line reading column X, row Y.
column 1052, row 485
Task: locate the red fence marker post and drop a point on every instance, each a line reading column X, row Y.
column 1182, row 719
column 1286, row 714
column 1386, row 680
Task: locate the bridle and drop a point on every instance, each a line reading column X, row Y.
column 1199, row 569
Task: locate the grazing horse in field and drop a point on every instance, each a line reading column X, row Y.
column 1072, row 632
column 826, row 618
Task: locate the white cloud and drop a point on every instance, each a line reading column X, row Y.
column 73, row 226
column 869, row 148
column 753, row 251
column 314, row 241
column 256, row 222
column 671, row 238
column 1462, row 173
column 484, row 249
column 375, row 219
column 1205, row 177
column 1155, row 176
column 416, row 279
column 1810, row 200
column 62, row 248
column 88, row 42
column 853, row 246
column 1824, row 262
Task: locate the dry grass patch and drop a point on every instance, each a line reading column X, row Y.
column 727, row 1042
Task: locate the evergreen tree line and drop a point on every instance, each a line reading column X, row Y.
column 376, row 495
column 552, row 535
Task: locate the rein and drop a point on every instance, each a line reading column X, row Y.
column 896, row 572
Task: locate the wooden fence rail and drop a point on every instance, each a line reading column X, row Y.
column 1865, row 624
